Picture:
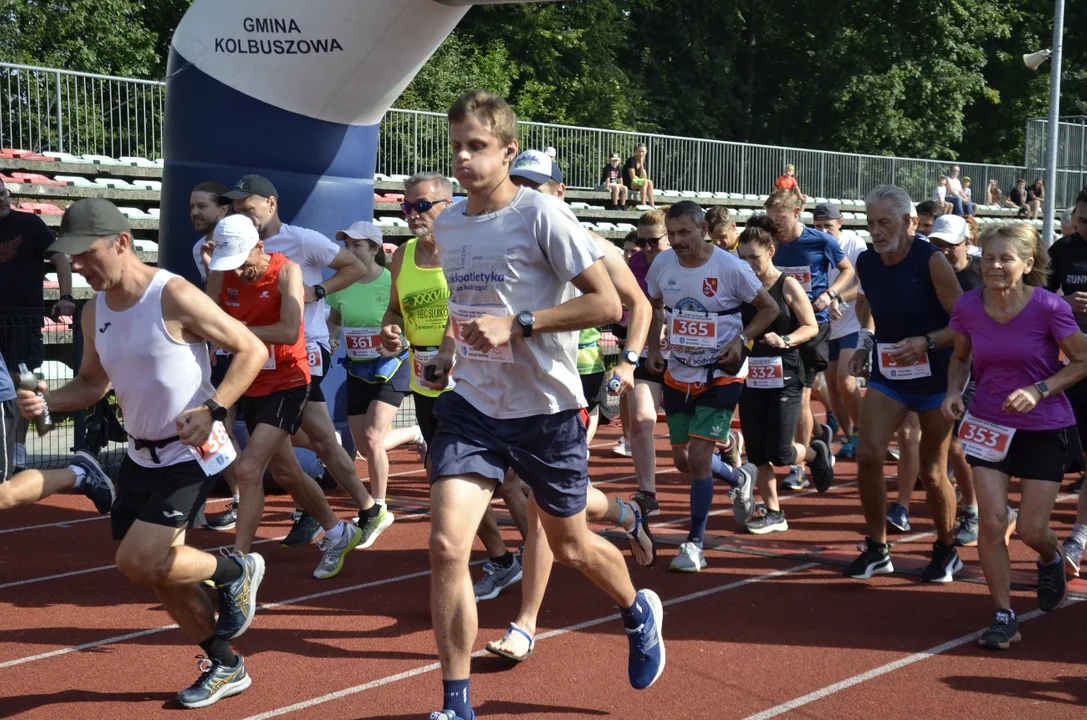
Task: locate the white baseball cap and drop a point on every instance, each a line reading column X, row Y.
column 536, row 167
column 362, row 230
column 952, row 229
column 235, row 237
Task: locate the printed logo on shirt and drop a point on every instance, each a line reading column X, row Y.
column 104, row 327
column 8, row 249
column 265, row 295
column 709, row 286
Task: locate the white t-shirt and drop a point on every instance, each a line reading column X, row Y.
column 954, row 187
column 198, row 258
column 939, row 194
column 852, row 246
column 313, row 252
column 520, row 258
column 697, row 294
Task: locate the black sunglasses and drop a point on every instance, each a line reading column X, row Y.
column 420, row 206
column 644, row 242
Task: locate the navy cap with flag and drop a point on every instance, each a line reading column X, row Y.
column 252, row 185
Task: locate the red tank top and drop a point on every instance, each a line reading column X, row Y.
column 259, row 304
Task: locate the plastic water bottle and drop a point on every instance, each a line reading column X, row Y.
column 29, row 381
column 613, row 384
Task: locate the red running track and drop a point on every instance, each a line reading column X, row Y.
column 770, row 627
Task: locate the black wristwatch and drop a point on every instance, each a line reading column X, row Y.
column 832, row 295
column 630, row 356
column 931, row 342
column 526, row 320
column 1042, row 388
column 319, row 292
column 67, row 297
column 788, row 341
column 218, row 412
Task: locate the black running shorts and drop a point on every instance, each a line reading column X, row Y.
column 170, row 496
column 281, row 409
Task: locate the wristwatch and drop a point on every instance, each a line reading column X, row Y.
column 931, row 342
column 630, row 356
column 787, row 340
column 319, row 292
column 218, row 412
column 1043, row 389
column 832, row 295
column 526, row 320
column 67, row 297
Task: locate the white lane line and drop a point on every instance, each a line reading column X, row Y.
column 431, row 667
column 261, row 606
column 882, row 670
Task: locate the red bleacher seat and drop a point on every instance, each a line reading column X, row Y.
column 38, row 158
column 16, row 152
column 6, row 178
column 41, row 208
column 389, row 248
column 35, row 179
column 394, row 197
column 379, row 198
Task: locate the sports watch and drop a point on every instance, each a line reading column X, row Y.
column 931, row 342
column 218, row 412
column 319, row 292
column 526, row 320
column 630, row 356
column 1043, row 389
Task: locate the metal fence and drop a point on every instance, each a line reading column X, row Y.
column 44, row 109
column 1071, row 155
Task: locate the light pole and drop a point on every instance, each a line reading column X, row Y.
column 1032, row 61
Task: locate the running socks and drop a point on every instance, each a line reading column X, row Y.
column 635, row 615
column 371, row 512
column 337, row 532
column 723, row 470
column 1079, row 534
column 457, row 696
column 504, row 560
column 227, row 570
column 701, row 500
column 80, row 475
column 219, row 649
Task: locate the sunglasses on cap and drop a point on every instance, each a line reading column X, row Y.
column 420, row 206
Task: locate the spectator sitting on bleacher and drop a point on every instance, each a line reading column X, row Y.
column 24, row 241
column 207, row 207
column 927, row 212
column 1017, row 198
column 722, row 227
column 1036, row 197
column 611, row 180
column 993, row 193
column 788, row 181
column 955, row 194
column 939, row 195
column 969, row 195
column 635, row 176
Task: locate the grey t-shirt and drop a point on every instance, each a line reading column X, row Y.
column 519, row 258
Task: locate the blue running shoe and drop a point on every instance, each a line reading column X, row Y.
column 450, row 715
column 898, row 518
column 647, row 658
column 795, row 481
column 832, row 423
column 238, row 598
column 848, row 450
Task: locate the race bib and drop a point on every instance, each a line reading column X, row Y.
column 460, row 315
column 801, row 273
column 270, row 363
column 765, row 373
column 985, row 440
column 419, row 360
column 896, row 371
column 315, row 359
column 217, row 453
column 693, row 329
column 361, row 343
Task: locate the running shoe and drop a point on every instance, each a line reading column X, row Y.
column 238, row 598
column 497, row 578
column 216, row 682
column 743, row 504
column 832, row 423
column 767, row 521
column 1052, row 586
column 96, row 484
column 875, row 559
column 335, row 551
column 1073, row 554
column 1076, row 485
column 826, row 434
column 622, row 447
column 306, row 529
column 642, row 546
column 373, row 527
column 822, row 467
column 689, row 560
column 422, row 448
column 848, row 450
column 944, row 564
column 795, row 481
column 225, row 520
column 647, row 657
column 647, row 503
column 450, row 715
column 898, row 518
column 1002, row 633
column 966, row 534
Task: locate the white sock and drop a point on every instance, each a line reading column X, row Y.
column 237, row 499
column 335, row 533
column 380, row 502
column 80, row 475
column 418, row 436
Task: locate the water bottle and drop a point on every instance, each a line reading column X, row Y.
column 613, row 384
column 29, row 381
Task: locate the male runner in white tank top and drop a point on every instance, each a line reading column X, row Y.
column 146, row 336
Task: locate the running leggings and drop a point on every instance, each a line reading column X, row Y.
column 768, row 420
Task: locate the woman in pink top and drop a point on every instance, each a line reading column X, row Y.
column 1020, row 422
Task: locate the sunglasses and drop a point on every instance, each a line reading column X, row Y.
column 420, row 206
column 645, row 242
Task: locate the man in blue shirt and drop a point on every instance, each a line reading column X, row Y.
column 807, row 255
column 29, row 486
